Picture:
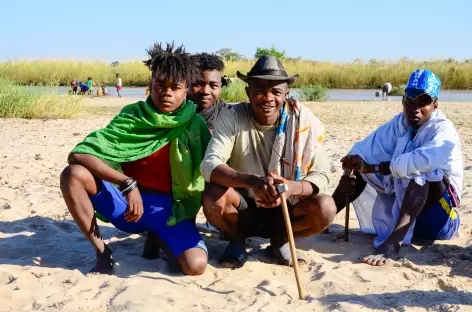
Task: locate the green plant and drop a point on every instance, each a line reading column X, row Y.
column 313, row 92
column 280, row 54
column 234, row 92
column 17, row 102
column 229, row 55
column 397, row 91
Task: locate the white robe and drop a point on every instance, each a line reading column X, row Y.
column 434, row 152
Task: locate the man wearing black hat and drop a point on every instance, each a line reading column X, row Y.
column 255, row 146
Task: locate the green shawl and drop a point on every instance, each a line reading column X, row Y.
column 139, row 130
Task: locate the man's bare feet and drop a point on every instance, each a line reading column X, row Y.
column 383, row 254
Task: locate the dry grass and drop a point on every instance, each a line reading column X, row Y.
column 455, row 75
column 17, row 102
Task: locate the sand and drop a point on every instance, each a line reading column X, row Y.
column 44, row 258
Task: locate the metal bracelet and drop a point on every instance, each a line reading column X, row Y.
column 130, row 188
column 126, row 183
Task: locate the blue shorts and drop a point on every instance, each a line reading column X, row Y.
column 111, row 204
column 440, row 222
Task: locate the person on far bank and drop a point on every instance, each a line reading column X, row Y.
column 255, row 146
column 158, row 144
column 386, row 88
column 414, row 165
column 205, row 92
column 74, row 87
column 89, row 83
column 118, row 84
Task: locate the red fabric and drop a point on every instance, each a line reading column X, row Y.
column 152, row 172
column 118, row 88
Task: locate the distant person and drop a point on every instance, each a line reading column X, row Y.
column 118, row 84
column 413, row 165
column 74, row 87
column 151, row 150
column 386, row 88
column 83, row 87
column 104, row 89
column 90, row 84
column 205, row 92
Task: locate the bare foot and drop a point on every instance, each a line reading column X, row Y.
column 382, row 255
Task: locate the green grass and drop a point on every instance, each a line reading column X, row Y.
column 357, row 74
column 234, row 92
column 17, row 102
column 397, row 91
column 313, row 93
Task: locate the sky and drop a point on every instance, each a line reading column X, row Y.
column 319, row 30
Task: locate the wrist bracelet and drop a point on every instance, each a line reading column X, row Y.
column 126, row 183
column 303, row 192
column 377, row 169
column 133, row 185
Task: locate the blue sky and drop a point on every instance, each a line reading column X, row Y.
column 319, row 30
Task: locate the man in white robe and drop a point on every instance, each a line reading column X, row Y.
column 413, row 167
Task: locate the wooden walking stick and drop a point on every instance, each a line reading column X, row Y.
column 347, row 173
column 282, row 188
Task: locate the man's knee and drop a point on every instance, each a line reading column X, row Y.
column 321, row 208
column 194, row 263
column 216, row 199
column 74, row 173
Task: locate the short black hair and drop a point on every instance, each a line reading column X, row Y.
column 171, row 61
column 207, row 61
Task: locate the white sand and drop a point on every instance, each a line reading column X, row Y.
column 43, row 256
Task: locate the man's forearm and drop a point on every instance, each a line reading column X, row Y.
column 97, row 167
column 383, row 168
column 226, row 176
column 301, row 189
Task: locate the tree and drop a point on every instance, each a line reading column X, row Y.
column 281, row 55
column 229, row 55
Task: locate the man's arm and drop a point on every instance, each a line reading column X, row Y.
column 213, row 167
column 227, row 176
column 429, row 157
column 97, row 167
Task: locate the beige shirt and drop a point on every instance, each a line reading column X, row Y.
column 247, row 146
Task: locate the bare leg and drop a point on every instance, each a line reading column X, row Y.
column 220, row 206
column 77, row 183
column 312, row 215
column 193, row 261
column 346, row 184
column 412, row 205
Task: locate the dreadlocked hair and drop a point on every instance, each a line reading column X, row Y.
column 171, row 62
column 206, row 61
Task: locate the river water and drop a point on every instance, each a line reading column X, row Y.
column 333, row 94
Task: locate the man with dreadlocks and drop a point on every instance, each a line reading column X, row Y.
column 158, row 144
column 205, row 92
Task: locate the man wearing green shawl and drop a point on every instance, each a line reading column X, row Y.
column 158, row 144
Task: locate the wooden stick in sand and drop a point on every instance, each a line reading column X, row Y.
column 347, row 173
column 282, row 188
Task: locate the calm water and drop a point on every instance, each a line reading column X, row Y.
column 333, row 94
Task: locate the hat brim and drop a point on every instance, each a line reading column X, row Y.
column 246, row 78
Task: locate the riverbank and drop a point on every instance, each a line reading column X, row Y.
column 46, row 258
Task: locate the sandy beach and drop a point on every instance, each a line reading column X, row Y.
column 44, row 257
